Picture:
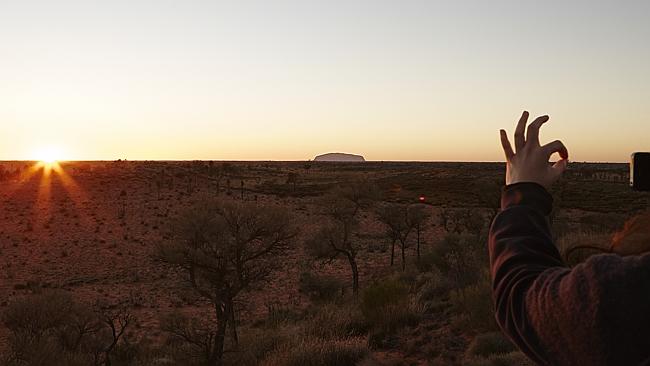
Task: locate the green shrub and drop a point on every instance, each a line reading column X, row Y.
column 52, row 328
column 432, row 285
column 463, row 258
column 320, row 288
column 429, row 262
column 387, row 307
column 319, row 352
column 378, row 297
column 474, row 306
column 506, row 359
column 488, row 344
column 278, row 315
column 256, row 344
column 331, row 321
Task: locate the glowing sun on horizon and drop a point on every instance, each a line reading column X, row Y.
column 48, row 156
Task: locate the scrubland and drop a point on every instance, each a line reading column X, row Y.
column 269, row 263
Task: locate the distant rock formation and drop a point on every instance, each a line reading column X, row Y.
column 340, row 157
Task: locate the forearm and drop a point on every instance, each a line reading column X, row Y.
column 521, row 249
column 596, row 313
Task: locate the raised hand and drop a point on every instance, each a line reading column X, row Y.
column 531, row 161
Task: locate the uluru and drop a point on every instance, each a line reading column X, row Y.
column 340, row 157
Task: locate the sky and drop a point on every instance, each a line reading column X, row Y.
column 287, row 80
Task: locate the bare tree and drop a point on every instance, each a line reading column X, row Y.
column 292, row 178
column 418, row 217
column 399, row 225
column 339, row 235
column 194, row 336
column 224, row 248
column 115, row 321
column 216, row 174
column 336, row 238
column 52, row 328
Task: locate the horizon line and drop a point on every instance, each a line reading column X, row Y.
column 287, row 161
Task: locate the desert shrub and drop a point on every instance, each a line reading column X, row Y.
column 329, row 334
column 372, row 361
column 255, row 344
column 319, row 352
column 429, row 261
column 602, row 222
column 474, row 306
column 387, row 307
column 51, row 328
column 580, row 245
column 278, row 315
column 381, row 295
column 331, row 321
column 432, row 285
column 189, row 339
column 506, row 359
column 139, row 354
column 488, row 344
column 462, row 258
column 320, row 288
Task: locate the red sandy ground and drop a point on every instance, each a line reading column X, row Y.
column 63, row 231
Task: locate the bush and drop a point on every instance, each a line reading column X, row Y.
column 380, row 296
column 474, row 305
column 320, row 288
column 51, row 328
column 430, row 261
column 257, row 344
column 488, row 344
column 576, row 247
column 387, row 308
column 507, row 359
column 462, row 258
column 432, row 285
column 278, row 315
column 336, row 321
column 319, row 352
column 188, row 338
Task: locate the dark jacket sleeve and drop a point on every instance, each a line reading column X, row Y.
column 597, row 313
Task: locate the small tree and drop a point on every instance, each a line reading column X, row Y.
column 292, row 179
column 216, row 174
column 336, row 238
column 418, row 216
column 399, row 226
column 461, row 258
column 114, row 321
column 339, row 234
column 193, row 337
column 225, row 248
column 52, row 328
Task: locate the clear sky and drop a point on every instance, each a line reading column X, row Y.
column 287, row 80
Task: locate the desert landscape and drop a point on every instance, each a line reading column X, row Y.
column 368, row 263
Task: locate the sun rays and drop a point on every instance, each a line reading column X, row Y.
column 46, row 184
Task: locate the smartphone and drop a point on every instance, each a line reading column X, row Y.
column 640, row 171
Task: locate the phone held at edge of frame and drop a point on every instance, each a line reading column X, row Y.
column 640, row 171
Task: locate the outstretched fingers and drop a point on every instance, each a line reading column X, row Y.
column 520, row 140
column 532, row 135
column 507, row 147
column 556, row 147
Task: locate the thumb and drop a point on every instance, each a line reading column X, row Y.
column 560, row 166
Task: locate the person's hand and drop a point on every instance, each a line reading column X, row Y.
column 531, row 162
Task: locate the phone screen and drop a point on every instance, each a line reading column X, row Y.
column 640, row 171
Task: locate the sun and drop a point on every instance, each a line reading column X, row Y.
column 49, row 155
